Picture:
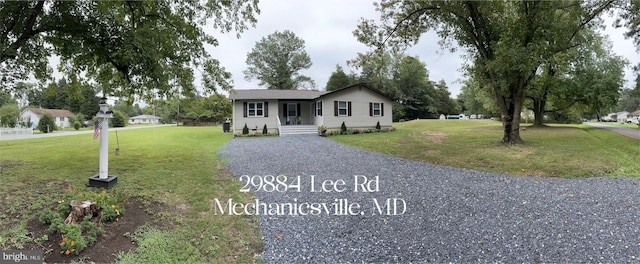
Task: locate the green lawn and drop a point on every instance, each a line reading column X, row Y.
column 556, row 150
column 175, row 166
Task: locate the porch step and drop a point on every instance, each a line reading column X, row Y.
column 298, row 129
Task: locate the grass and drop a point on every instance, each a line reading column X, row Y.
column 556, row 150
column 175, row 166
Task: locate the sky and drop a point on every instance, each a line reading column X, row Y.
column 326, row 26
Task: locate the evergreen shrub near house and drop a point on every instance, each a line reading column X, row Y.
column 47, row 123
column 343, row 128
column 264, row 130
column 245, row 129
column 378, row 126
column 76, row 125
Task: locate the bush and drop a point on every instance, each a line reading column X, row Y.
column 76, row 125
column 119, row 119
column 343, row 128
column 47, row 123
column 378, row 126
column 245, row 129
column 265, row 130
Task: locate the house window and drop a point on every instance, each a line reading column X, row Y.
column 319, row 108
column 292, row 109
column 256, row 110
column 376, row 109
column 342, row 108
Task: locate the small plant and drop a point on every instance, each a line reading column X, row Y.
column 378, row 126
column 265, row 130
column 322, row 130
column 343, row 128
column 76, row 125
column 76, row 237
column 245, row 129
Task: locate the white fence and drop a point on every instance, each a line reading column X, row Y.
column 6, row 131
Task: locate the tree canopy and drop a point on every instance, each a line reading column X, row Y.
column 339, row 79
column 506, row 41
column 276, row 61
column 131, row 48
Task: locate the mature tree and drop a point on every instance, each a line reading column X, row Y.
column 443, row 101
column 411, row 78
column 589, row 74
column 215, row 108
column 339, row 79
column 507, row 41
column 630, row 98
column 6, row 98
column 9, row 114
column 473, row 99
column 120, row 119
column 140, row 48
column 276, row 61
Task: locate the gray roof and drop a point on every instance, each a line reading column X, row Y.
column 275, row 94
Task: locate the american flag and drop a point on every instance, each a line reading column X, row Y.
column 96, row 130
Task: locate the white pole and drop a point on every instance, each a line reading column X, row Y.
column 104, row 139
column 104, row 149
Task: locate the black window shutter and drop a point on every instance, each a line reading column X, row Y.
column 266, row 109
column 244, row 109
column 335, row 108
column 349, row 108
column 370, row 109
column 284, row 110
column 315, row 111
column 298, row 109
column 320, row 108
column 382, row 109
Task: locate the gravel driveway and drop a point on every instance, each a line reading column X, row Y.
column 451, row 214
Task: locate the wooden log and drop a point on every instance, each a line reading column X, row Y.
column 80, row 209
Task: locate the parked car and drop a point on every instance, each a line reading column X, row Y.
column 633, row 120
column 453, row 116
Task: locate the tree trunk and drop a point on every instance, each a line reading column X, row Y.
column 510, row 108
column 538, row 111
column 80, row 209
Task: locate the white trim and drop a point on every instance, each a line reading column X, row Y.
column 346, row 108
column 318, row 108
column 373, row 112
column 256, row 109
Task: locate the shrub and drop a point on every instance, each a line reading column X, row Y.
column 47, row 123
column 245, row 129
column 76, row 125
column 378, row 126
column 343, row 128
column 265, row 130
column 322, row 130
column 119, row 119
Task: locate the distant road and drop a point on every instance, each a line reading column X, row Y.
column 629, row 132
column 71, row 133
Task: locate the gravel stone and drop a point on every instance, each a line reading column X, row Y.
column 452, row 214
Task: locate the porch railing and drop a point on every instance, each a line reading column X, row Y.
column 278, row 122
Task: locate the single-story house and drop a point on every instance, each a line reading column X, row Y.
column 634, row 114
column 359, row 106
column 144, row 119
column 60, row 116
column 621, row 117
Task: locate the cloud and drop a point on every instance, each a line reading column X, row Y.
column 327, row 26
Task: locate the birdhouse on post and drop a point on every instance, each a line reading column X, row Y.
column 103, row 179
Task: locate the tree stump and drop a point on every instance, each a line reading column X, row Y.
column 80, row 209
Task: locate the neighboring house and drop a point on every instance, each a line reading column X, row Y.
column 144, row 119
column 621, row 117
column 634, row 114
column 358, row 106
column 61, row 117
